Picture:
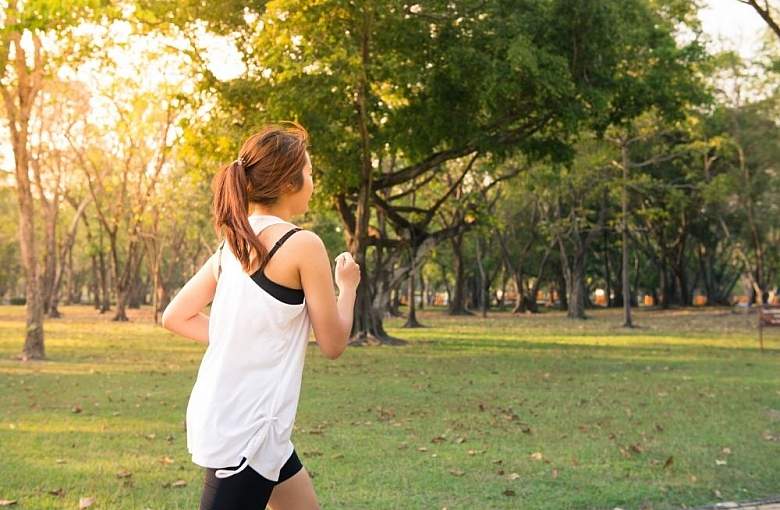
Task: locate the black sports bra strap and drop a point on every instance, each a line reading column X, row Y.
column 279, row 243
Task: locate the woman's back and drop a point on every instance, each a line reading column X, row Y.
column 244, row 401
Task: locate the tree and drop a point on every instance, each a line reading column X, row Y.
column 421, row 85
column 124, row 157
column 23, row 68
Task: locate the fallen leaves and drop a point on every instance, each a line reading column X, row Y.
column 86, row 502
column 537, row 456
column 384, row 414
column 770, row 437
column 627, row 451
column 8, row 502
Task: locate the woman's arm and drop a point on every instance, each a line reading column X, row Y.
column 331, row 319
column 184, row 315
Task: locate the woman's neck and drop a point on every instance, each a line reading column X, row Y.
column 279, row 212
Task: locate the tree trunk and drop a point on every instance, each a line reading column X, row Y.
column 483, row 283
column 627, row 323
column 666, row 296
column 395, row 303
column 411, row 317
column 19, row 99
column 423, row 291
column 458, row 302
column 561, row 291
column 517, row 279
column 105, row 300
column 576, row 290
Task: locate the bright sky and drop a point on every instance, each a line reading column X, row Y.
column 732, row 25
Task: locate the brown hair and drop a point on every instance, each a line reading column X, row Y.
column 268, row 161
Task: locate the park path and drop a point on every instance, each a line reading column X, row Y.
column 772, row 503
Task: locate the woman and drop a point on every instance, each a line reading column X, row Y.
column 270, row 282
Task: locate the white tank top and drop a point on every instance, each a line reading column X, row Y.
column 245, row 397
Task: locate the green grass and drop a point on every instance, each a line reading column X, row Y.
column 450, row 420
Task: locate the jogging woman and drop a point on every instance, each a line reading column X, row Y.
column 269, row 281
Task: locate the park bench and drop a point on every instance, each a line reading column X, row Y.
column 768, row 316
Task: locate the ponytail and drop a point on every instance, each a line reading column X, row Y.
column 230, row 209
column 269, row 162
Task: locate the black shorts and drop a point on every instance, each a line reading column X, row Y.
column 245, row 490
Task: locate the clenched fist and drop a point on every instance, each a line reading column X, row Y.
column 347, row 272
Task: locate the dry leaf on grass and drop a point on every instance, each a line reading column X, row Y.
column 86, row 503
column 8, row 502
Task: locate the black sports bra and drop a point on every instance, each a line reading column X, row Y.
column 284, row 294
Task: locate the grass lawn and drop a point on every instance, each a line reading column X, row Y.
column 505, row 412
